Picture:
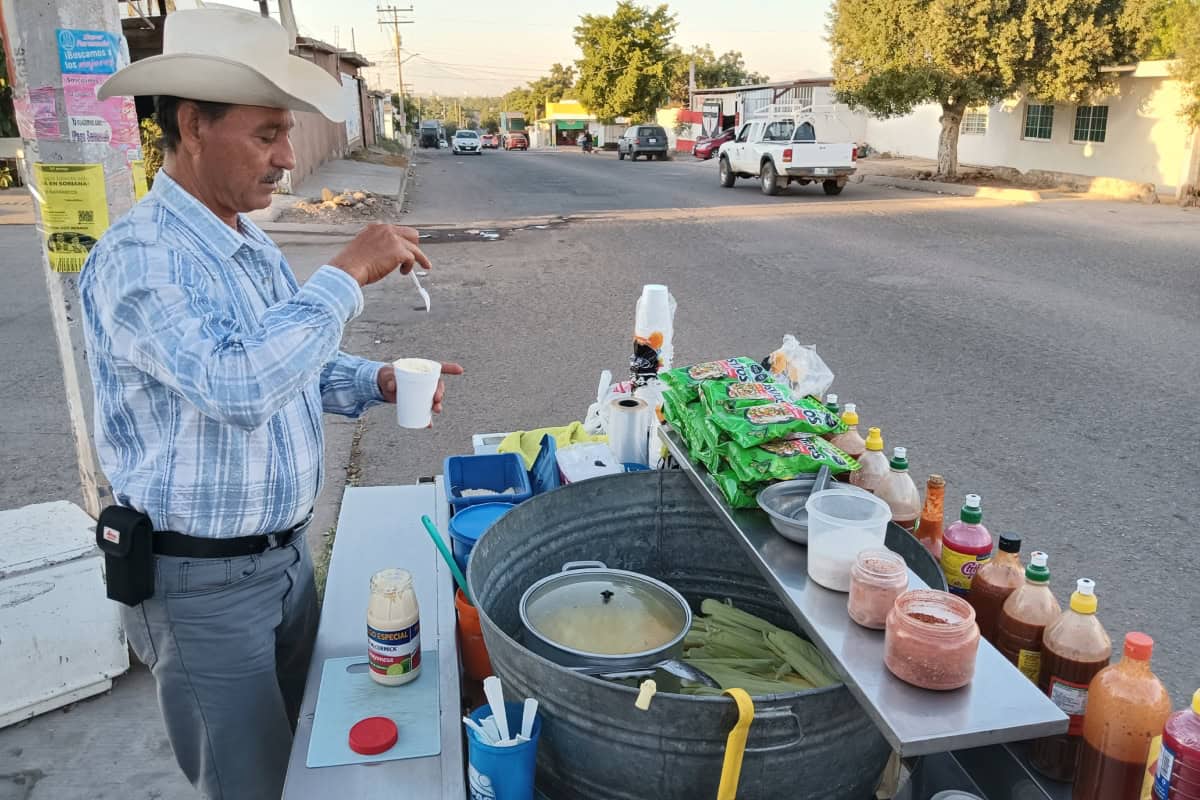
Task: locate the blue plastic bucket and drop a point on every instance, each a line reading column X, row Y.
column 502, row 773
column 468, row 524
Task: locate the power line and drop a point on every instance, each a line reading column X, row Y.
column 396, row 22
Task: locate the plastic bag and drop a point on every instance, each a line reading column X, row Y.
column 801, row 368
column 785, row 459
column 686, row 380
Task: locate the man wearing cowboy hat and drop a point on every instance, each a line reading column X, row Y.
column 212, row 367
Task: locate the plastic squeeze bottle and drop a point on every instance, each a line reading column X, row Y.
column 873, row 463
column 994, row 582
column 831, row 402
column 1026, row 614
column 966, row 546
column 929, row 528
column 899, row 492
column 1127, row 707
column 850, row 442
column 1074, row 649
column 1178, row 773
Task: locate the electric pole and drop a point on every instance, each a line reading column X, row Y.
column 395, row 21
column 81, row 174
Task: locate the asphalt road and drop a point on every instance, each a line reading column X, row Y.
column 1042, row 355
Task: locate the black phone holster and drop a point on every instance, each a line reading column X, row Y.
column 126, row 537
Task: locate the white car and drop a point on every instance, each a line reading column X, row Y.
column 466, row 142
column 790, row 144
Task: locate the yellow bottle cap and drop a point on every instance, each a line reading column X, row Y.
column 1196, row 702
column 1083, row 599
column 850, row 414
column 874, row 439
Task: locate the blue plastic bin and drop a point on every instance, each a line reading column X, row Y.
column 469, row 524
column 505, row 773
column 493, row 472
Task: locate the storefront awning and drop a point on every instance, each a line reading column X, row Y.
column 571, row 124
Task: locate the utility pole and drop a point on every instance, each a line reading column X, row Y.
column 395, row 21
column 262, row 8
column 81, row 174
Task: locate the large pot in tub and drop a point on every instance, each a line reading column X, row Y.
column 595, row 744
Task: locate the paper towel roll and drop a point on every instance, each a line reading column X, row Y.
column 629, row 430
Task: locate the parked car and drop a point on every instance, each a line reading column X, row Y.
column 466, row 141
column 707, row 147
column 782, row 147
column 515, row 140
column 643, row 140
column 490, row 141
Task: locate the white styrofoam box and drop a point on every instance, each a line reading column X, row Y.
column 61, row 639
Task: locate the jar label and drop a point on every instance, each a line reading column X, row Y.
column 960, row 568
column 1071, row 698
column 394, row 652
column 1162, row 778
column 1030, row 663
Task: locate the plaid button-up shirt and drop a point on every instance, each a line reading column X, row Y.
column 211, row 367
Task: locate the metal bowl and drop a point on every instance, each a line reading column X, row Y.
column 784, row 504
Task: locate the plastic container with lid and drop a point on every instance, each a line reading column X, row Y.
column 393, row 628
column 469, row 524
column 994, row 582
column 850, row 442
column 1178, row 773
column 966, row 546
column 1074, row 649
column 841, row 524
column 1024, row 618
column 877, row 578
column 931, row 640
column 929, row 527
column 1127, row 707
column 899, row 492
column 873, row 464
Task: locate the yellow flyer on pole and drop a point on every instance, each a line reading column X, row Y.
column 140, row 184
column 74, row 211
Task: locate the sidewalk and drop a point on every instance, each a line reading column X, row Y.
column 16, row 207
column 336, row 176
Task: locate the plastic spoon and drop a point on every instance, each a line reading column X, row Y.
column 527, row 716
column 459, row 578
column 420, row 289
column 494, row 692
column 493, row 732
column 479, row 730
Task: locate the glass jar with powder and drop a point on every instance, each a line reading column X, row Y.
column 877, row 578
column 931, row 640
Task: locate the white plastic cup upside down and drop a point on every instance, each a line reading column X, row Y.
column 416, row 383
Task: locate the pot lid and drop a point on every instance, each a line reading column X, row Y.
column 606, row 612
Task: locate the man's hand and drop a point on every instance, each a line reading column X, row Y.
column 377, row 250
column 387, row 384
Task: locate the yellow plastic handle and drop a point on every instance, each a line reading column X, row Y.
column 735, row 745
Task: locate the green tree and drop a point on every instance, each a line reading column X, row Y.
column 8, row 116
column 890, row 56
column 628, row 61
column 490, row 124
column 1167, row 22
column 1188, row 68
column 712, row 71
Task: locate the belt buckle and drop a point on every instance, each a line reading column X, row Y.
column 273, row 541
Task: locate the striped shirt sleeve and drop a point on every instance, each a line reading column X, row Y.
column 350, row 385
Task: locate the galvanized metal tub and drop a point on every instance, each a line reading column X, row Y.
column 595, row 745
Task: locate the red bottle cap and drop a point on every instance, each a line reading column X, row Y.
column 1138, row 646
column 373, row 735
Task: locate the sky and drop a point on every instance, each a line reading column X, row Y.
column 486, row 47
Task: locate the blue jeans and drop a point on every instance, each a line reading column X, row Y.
column 228, row 641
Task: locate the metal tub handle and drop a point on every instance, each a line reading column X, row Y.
column 573, row 565
column 777, row 714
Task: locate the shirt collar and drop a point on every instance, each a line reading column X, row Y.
column 197, row 216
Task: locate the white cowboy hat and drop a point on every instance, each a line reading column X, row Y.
column 227, row 55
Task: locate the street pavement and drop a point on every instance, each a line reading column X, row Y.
column 1042, row 355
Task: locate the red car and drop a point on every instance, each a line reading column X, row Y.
column 490, row 141
column 515, row 140
column 707, row 148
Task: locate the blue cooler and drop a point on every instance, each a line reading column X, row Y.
column 503, row 773
column 468, row 524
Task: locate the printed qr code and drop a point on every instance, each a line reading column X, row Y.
column 87, row 216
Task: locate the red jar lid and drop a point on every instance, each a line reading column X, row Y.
column 373, row 735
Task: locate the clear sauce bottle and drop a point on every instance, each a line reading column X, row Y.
column 850, row 442
column 899, row 492
column 393, row 628
column 994, row 582
column 1024, row 618
column 873, row 464
column 929, row 528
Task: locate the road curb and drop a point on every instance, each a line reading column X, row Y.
column 957, row 189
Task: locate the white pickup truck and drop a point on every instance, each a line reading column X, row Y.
column 789, row 144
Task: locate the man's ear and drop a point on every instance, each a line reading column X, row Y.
column 188, row 118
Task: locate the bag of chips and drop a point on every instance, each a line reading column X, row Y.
column 733, row 396
column 757, row 424
column 786, row 458
column 737, row 493
column 686, row 380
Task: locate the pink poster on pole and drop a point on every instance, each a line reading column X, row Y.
column 112, row 121
column 37, row 113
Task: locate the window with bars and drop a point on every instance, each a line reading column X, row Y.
column 1091, row 124
column 974, row 122
column 1039, row 122
column 804, row 95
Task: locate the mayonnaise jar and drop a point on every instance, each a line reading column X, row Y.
column 393, row 628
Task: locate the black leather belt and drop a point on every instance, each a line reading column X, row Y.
column 170, row 543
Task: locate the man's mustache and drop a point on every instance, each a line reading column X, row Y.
column 274, row 177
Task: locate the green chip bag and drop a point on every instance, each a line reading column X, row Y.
column 757, row 424
column 737, row 493
column 687, row 380
column 784, row 459
column 733, row 396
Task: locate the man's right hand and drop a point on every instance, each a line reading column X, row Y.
column 378, row 250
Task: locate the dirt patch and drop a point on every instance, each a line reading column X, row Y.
column 381, row 156
column 349, row 206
